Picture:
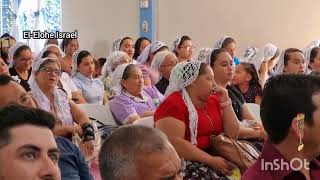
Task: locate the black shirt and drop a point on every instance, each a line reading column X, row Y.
column 23, row 83
column 237, row 101
column 162, row 85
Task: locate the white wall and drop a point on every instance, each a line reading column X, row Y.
column 286, row 23
column 99, row 22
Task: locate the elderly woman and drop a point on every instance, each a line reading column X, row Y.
column 43, row 81
column 68, row 46
column 3, row 68
column 124, row 44
column 291, row 61
column 194, row 109
column 183, row 48
column 82, row 76
column 164, row 61
column 115, row 59
column 65, row 82
column 20, row 64
column 133, row 100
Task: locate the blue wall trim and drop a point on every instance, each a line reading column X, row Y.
column 148, row 15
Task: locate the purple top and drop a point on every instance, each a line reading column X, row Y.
column 262, row 169
column 251, row 94
column 126, row 105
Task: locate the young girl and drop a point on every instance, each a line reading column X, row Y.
column 247, row 81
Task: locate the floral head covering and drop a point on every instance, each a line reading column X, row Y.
column 204, row 55
column 219, row 42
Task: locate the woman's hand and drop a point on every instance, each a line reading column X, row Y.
column 221, row 165
column 223, row 93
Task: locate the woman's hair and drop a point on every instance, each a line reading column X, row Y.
column 127, row 70
column 287, row 53
column 102, row 61
column 137, row 46
column 46, row 53
column 183, row 39
column 227, row 41
column 65, row 43
column 202, row 69
column 163, row 48
column 313, row 54
column 123, row 39
column 81, row 55
column 48, row 61
column 20, row 49
column 249, row 68
column 214, row 55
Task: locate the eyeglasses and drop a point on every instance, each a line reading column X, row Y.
column 188, row 47
column 51, row 71
column 25, row 59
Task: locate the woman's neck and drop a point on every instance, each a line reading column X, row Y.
column 24, row 74
column 243, row 87
column 48, row 92
column 195, row 99
column 222, row 84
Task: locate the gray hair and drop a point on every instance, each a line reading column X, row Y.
column 119, row 151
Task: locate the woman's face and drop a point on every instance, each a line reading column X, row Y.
column 185, row 50
column 72, row 46
column 204, row 83
column 231, row 48
column 241, row 76
column 56, row 51
column 315, row 65
column 143, row 45
column 134, row 84
column 295, row 63
column 167, row 65
column 86, row 67
column 24, row 60
column 128, row 47
column 223, row 68
column 49, row 75
column 3, row 68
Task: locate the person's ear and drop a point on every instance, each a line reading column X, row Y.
column 297, row 126
column 248, row 77
column 123, row 83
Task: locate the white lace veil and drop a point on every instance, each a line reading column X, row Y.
column 75, row 55
column 13, row 50
column 114, row 58
column 204, row 55
column 117, row 75
column 151, row 48
column 307, row 52
column 219, row 42
column 176, row 43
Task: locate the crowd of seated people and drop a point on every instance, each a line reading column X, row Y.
column 188, row 99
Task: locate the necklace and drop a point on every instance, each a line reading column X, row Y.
column 208, row 117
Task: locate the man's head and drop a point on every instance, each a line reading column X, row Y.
column 13, row 93
column 137, row 152
column 27, row 146
column 286, row 96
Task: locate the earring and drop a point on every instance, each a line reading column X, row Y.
column 300, row 118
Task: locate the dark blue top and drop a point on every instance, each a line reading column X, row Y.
column 72, row 163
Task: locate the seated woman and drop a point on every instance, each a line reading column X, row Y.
column 291, row 61
column 65, row 82
column 68, row 46
column 229, row 44
column 124, row 44
column 145, row 60
column 183, row 48
column 222, row 65
column 163, row 62
column 191, row 113
column 139, row 46
column 133, row 100
column 312, row 58
column 246, row 80
column 20, row 65
column 115, row 59
column 3, row 68
column 43, row 81
column 82, row 71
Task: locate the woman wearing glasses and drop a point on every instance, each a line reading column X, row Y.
column 20, row 64
column 43, row 81
column 183, row 48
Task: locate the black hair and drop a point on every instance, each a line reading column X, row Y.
column 249, row 68
column 65, row 43
column 102, row 61
column 16, row 115
column 46, row 53
column 283, row 97
column 214, row 55
column 137, row 46
column 227, row 41
column 313, row 54
column 163, row 48
column 183, row 39
column 5, row 79
column 287, row 54
column 127, row 70
column 81, row 55
column 21, row 48
column 123, row 39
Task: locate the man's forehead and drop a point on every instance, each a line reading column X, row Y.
column 11, row 90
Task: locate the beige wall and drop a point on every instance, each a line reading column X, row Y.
column 100, row 21
column 286, row 23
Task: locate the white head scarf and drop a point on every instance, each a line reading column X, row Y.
column 269, row 51
column 13, row 50
column 204, row 55
column 117, row 75
column 75, row 55
column 45, row 48
column 114, row 58
column 280, row 64
column 176, row 43
column 159, row 58
column 219, row 42
column 182, row 75
column 151, row 48
column 307, row 52
column 116, row 44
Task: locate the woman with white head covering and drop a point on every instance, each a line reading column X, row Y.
column 204, row 55
column 69, row 118
column 115, row 59
column 229, row 44
column 20, row 56
column 164, row 62
column 91, row 88
column 133, row 100
column 191, row 113
column 183, row 48
column 68, row 46
column 312, row 57
column 124, row 44
column 291, row 61
column 145, row 59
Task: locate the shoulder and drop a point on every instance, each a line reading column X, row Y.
column 255, row 172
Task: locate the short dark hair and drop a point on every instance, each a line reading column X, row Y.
column 21, row 48
column 102, row 61
column 287, row 54
column 82, row 54
column 283, row 97
column 5, row 79
column 214, row 55
column 137, row 46
column 15, row 115
column 227, row 41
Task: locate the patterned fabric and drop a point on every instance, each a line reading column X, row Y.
column 74, row 62
column 112, row 60
column 13, row 50
column 116, row 44
column 151, row 48
column 176, row 43
column 219, row 42
column 251, row 94
column 197, row 171
column 204, row 55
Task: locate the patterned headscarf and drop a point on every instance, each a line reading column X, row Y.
column 151, row 48
column 112, row 59
column 176, row 43
column 204, row 55
column 219, row 42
